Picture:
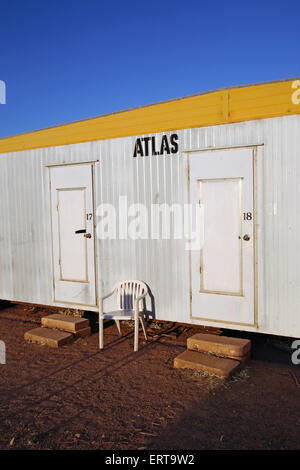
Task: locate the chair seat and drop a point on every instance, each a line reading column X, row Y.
column 119, row 315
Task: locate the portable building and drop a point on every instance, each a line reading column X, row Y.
column 230, row 154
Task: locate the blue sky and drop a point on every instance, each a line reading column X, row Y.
column 73, row 59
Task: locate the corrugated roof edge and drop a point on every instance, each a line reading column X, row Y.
column 186, row 97
column 153, row 104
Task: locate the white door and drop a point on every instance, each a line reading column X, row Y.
column 222, row 268
column 72, row 211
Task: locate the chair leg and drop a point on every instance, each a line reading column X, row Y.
column 136, row 334
column 144, row 327
column 101, row 332
column 117, row 323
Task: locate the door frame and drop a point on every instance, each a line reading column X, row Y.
column 93, row 164
column 255, row 148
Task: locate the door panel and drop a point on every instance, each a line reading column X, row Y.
column 221, row 220
column 222, row 270
column 73, row 253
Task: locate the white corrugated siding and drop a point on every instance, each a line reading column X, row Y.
column 25, row 232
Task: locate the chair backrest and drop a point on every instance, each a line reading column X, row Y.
column 127, row 293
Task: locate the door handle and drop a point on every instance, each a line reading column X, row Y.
column 246, row 238
column 87, row 235
column 83, row 230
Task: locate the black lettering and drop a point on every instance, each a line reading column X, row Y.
column 174, row 143
column 138, row 149
column 146, row 146
column 247, row 215
column 164, row 145
column 146, row 140
column 154, row 152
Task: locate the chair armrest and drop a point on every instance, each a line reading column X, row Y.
column 137, row 301
column 101, row 299
column 107, row 295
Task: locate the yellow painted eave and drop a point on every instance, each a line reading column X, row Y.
column 230, row 105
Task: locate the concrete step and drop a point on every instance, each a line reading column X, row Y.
column 234, row 348
column 76, row 325
column 52, row 338
column 206, row 363
column 83, row 332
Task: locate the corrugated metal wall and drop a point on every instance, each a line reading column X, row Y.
column 25, row 231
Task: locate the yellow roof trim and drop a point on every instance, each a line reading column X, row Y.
column 260, row 101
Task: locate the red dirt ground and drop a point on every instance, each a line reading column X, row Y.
column 77, row 397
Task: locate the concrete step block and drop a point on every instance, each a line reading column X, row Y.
column 52, row 338
column 83, row 333
column 219, row 366
column 65, row 322
column 235, row 348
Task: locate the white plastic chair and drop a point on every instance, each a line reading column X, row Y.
column 130, row 294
